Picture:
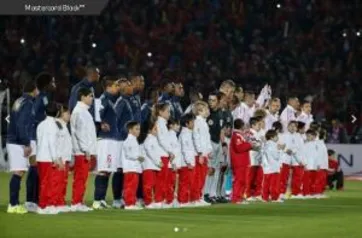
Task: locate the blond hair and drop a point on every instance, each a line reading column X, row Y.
column 198, row 107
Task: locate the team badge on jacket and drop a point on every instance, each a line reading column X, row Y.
column 211, row 122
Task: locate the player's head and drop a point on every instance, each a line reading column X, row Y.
column 271, row 135
column 173, row 124
column 331, row 154
column 63, row 113
column 307, row 107
column 195, row 96
column 137, row 81
column 315, row 126
column 179, row 90
column 45, row 81
column 92, row 74
column 111, row 84
column 134, row 128
column 301, row 127
column 52, row 109
column 292, row 126
column 152, row 127
column 187, row 120
column 254, row 123
column 235, row 102
column 30, row 88
column 249, row 98
column 278, row 127
column 228, row 129
column 85, row 95
column 238, row 124
column 214, row 100
column 322, row 134
column 260, row 113
column 311, row 135
column 228, row 87
column 239, row 93
column 152, row 95
column 163, row 110
column 294, row 102
column 274, row 105
column 201, row 109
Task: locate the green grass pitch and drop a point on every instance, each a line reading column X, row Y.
column 338, row 216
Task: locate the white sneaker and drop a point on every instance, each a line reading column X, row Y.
column 104, row 204
column 299, row 196
column 278, row 201
column 97, row 205
column 258, row 198
column 166, row 206
column 140, row 203
column 183, row 205
column 117, row 204
column 175, row 204
column 308, row 197
column 31, row 207
column 251, row 199
column 80, row 208
column 134, row 208
column 202, row 202
column 321, row 196
column 282, row 196
column 154, row 206
column 243, row 203
column 64, row 209
column 48, row 211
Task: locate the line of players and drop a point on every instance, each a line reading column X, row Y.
column 196, row 156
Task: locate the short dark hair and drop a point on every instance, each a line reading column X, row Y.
column 311, row 132
column 151, row 124
column 300, row 125
column 108, row 81
column 238, row 124
column 277, row 126
column 293, row 122
column 160, row 107
column 52, row 109
column 132, row 124
column 254, row 120
column 314, row 126
column 217, row 94
column 172, row 122
column 186, row 119
column 270, row 134
column 331, row 152
column 83, row 92
column 29, row 86
column 322, row 134
column 43, row 80
column 91, row 69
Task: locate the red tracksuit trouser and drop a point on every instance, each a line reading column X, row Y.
column 165, row 183
column 284, row 177
column 185, row 182
column 297, row 179
column 321, row 181
column 255, row 181
column 199, row 178
column 239, row 183
column 149, row 185
column 46, row 191
column 61, row 178
column 271, row 186
column 309, row 182
column 130, row 185
column 81, row 169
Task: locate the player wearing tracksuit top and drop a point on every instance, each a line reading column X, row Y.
column 108, row 144
column 18, row 143
column 124, row 114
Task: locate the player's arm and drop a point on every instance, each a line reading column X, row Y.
column 82, row 135
column 150, row 149
column 25, row 123
column 239, row 145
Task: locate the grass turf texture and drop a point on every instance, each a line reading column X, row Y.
column 338, row 216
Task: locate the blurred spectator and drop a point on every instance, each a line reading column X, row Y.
column 337, row 133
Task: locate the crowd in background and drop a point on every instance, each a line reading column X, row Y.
column 306, row 48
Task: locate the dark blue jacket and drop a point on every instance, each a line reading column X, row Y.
column 124, row 114
column 176, row 109
column 74, row 94
column 108, row 115
column 164, row 97
column 135, row 101
column 40, row 103
column 146, row 111
column 22, row 119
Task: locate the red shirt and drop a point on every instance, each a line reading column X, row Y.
column 239, row 150
column 333, row 164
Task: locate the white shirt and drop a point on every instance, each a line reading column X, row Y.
column 176, row 163
column 46, row 134
column 188, row 150
column 201, row 136
column 84, row 137
column 243, row 112
column 322, row 152
column 270, row 157
column 306, row 118
column 292, row 142
column 310, row 154
column 131, row 151
column 153, row 153
column 270, row 119
column 163, row 137
column 287, row 115
column 64, row 142
column 255, row 155
column 264, row 96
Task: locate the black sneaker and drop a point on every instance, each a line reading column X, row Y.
column 213, row 200
column 207, row 198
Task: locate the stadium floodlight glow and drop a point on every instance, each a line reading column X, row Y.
column 344, row 34
column 149, row 54
column 358, row 33
column 94, row 45
column 278, row 5
column 22, row 41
